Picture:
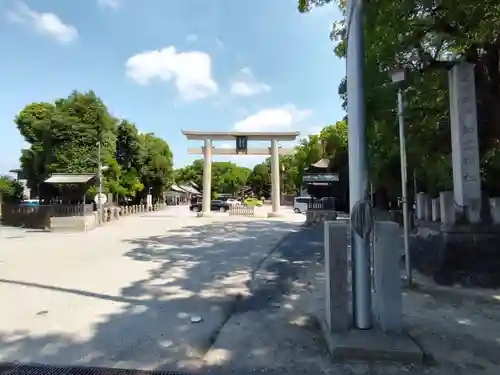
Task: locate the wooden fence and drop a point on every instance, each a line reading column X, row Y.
column 38, row 217
column 240, row 210
column 321, row 204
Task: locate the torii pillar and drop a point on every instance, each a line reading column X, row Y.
column 207, row 178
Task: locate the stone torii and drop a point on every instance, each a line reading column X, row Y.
column 241, row 141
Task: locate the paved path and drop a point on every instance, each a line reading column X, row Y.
column 123, row 295
column 277, row 332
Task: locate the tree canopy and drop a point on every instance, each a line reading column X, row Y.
column 10, row 190
column 427, row 37
column 227, row 177
column 331, row 144
column 64, row 137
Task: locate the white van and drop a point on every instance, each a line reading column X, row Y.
column 300, row 204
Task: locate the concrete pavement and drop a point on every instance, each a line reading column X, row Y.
column 276, row 330
column 124, row 295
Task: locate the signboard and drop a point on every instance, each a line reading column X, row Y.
column 241, row 144
column 320, row 177
column 101, row 197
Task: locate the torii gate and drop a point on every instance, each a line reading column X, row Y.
column 241, row 141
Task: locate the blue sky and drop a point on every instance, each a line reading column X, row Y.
column 168, row 65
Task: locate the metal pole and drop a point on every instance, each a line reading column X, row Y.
column 99, row 174
column 415, row 186
column 404, row 185
column 358, row 174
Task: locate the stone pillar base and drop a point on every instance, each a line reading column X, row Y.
column 276, row 214
column 205, row 214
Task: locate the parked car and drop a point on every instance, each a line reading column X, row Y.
column 300, row 204
column 217, row 205
column 233, row 202
column 253, row 202
column 30, row 203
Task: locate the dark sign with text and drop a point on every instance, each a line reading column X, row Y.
column 320, row 178
column 241, row 144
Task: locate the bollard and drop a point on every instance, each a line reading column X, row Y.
column 436, row 210
column 420, row 206
column 388, row 286
column 495, row 210
column 473, row 211
column 447, row 206
column 336, row 263
column 427, row 208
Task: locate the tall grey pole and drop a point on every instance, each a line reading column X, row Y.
column 404, row 185
column 99, row 174
column 358, row 174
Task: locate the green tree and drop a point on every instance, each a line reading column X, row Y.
column 227, row 177
column 260, row 180
column 126, row 181
column 64, row 138
column 157, row 172
column 10, row 190
column 431, row 36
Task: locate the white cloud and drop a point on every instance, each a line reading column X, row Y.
column 192, row 38
column 273, row 119
column 247, row 85
column 314, row 130
column 44, row 23
column 113, row 4
column 191, row 71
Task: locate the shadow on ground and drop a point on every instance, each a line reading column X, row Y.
column 194, row 271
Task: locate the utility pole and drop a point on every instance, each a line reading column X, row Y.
column 358, row 171
column 99, row 174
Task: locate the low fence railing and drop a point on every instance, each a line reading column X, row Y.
column 33, row 217
column 321, row 204
column 240, row 210
column 38, row 216
column 63, row 210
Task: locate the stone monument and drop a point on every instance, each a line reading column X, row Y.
column 464, row 141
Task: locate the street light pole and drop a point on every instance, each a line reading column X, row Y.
column 358, row 172
column 99, row 174
column 404, row 185
column 400, row 79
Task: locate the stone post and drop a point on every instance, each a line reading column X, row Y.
column 447, row 207
column 436, row 210
column 495, row 210
column 427, row 208
column 464, row 140
column 337, row 294
column 421, row 206
column 387, row 258
column 207, row 177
